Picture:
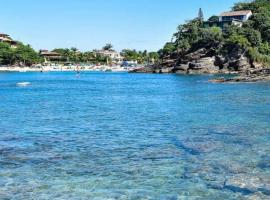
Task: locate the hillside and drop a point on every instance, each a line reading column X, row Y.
column 238, row 47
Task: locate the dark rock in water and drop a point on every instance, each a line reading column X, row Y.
column 248, row 184
column 244, row 191
column 181, row 145
column 153, row 69
column 145, row 69
column 264, row 163
column 258, row 75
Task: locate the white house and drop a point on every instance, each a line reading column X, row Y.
column 242, row 16
column 113, row 55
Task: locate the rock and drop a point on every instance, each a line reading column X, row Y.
column 166, row 70
column 203, row 65
column 145, row 69
column 182, row 67
column 169, row 63
column 248, row 184
column 249, row 76
column 196, row 55
column 243, row 64
column 204, row 61
column 220, row 61
column 257, row 65
column 220, row 80
column 194, row 66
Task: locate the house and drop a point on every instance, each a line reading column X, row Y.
column 112, row 54
column 7, row 39
column 242, row 16
column 50, row 55
column 230, row 18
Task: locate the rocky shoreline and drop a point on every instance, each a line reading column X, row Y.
column 260, row 75
column 205, row 61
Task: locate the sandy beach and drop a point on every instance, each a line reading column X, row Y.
column 63, row 68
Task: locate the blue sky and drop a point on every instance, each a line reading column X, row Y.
column 89, row 24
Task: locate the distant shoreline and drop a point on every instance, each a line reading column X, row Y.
column 102, row 68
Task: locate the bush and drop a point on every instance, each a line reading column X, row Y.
column 6, row 54
column 253, row 36
column 256, row 56
column 265, row 48
column 238, row 40
column 211, row 35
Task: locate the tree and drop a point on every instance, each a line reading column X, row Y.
column 26, row 55
column 213, row 18
column 153, row 56
column 211, row 36
column 200, row 15
column 187, row 35
column 74, row 49
column 255, row 6
column 261, row 22
column 168, row 49
column 108, row 47
column 253, row 36
column 239, row 40
column 66, row 54
column 6, row 54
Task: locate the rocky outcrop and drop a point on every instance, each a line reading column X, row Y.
column 202, row 66
column 155, row 69
column 202, row 61
column 255, row 75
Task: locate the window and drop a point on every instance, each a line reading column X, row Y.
column 231, row 18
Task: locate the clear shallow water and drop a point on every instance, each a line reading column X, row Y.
column 133, row 136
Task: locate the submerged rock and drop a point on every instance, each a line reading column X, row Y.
column 248, row 184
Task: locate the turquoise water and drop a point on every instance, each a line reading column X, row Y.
column 133, row 136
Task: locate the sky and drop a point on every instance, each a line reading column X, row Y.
column 90, row 24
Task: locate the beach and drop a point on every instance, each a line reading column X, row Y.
column 59, row 68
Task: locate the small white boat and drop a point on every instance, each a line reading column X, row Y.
column 23, row 84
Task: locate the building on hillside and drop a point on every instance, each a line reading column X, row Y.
column 230, row 18
column 7, row 39
column 113, row 55
column 50, row 56
column 242, row 16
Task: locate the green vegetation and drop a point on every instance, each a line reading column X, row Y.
column 75, row 56
column 24, row 55
column 21, row 55
column 140, row 56
column 253, row 38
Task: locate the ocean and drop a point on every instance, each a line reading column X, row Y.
column 132, row 136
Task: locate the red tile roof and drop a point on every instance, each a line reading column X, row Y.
column 235, row 13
